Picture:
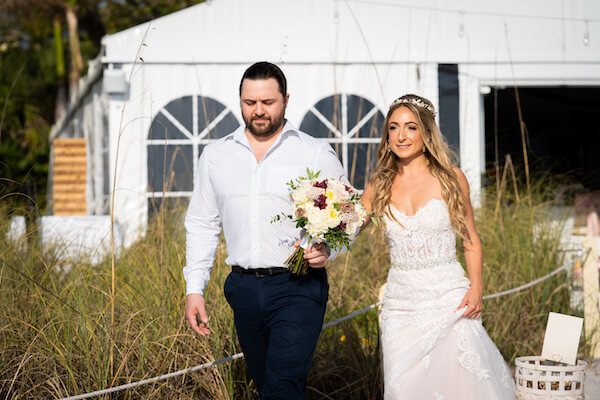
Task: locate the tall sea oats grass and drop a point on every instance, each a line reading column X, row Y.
column 55, row 325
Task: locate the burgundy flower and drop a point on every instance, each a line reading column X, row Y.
column 341, row 226
column 322, row 184
column 320, row 202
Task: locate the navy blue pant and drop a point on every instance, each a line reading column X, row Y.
column 278, row 320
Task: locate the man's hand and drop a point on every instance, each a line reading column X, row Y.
column 316, row 254
column 195, row 307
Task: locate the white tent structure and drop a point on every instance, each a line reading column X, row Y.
column 160, row 91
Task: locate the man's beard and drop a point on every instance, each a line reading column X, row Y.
column 266, row 130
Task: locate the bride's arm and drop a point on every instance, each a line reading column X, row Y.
column 367, row 201
column 473, row 256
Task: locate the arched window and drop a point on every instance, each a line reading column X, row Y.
column 177, row 134
column 352, row 124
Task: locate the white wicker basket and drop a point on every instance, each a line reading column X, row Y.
column 537, row 378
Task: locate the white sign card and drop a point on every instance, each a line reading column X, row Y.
column 562, row 338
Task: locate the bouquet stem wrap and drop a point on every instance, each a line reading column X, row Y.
column 296, row 262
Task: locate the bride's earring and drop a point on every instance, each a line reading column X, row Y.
column 424, row 149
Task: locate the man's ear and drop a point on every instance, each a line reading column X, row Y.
column 286, row 99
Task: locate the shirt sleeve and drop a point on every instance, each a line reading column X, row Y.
column 203, row 226
column 329, row 164
column 330, row 167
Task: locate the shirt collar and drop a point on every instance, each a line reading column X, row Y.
column 288, row 129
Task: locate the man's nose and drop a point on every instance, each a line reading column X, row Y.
column 259, row 109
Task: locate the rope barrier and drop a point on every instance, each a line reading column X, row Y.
column 325, row 326
column 528, row 285
column 155, row 379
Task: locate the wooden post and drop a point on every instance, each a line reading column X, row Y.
column 590, row 296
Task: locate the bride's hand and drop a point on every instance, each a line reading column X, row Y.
column 473, row 302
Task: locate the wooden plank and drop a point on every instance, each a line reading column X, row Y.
column 69, row 151
column 66, row 142
column 67, row 169
column 69, row 188
column 68, row 197
column 70, row 160
column 79, row 205
column 68, row 179
column 69, row 210
column 65, row 185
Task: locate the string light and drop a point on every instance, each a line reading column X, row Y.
column 586, row 34
column 461, row 26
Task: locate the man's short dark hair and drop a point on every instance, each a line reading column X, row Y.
column 265, row 70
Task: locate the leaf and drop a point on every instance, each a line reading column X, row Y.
column 312, row 175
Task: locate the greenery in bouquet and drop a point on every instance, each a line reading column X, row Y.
column 328, row 211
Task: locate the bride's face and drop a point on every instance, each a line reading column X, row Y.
column 404, row 134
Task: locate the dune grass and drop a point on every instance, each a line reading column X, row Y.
column 55, row 326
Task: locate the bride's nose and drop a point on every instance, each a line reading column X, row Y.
column 401, row 135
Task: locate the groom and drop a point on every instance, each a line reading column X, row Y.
column 241, row 186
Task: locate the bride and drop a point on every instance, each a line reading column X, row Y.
column 434, row 345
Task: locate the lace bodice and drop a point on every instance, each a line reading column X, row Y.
column 425, row 239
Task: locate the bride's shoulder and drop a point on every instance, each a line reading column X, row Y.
column 462, row 179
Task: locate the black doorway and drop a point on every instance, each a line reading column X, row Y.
column 562, row 131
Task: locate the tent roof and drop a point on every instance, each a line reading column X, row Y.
column 366, row 31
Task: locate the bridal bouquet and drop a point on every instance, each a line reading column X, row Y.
column 327, row 210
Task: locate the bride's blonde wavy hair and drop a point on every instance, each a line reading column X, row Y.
column 441, row 161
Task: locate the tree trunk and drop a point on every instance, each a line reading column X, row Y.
column 75, row 51
column 61, row 97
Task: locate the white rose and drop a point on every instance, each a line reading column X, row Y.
column 338, row 189
column 351, row 228
column 300, row 195
column 317, row 222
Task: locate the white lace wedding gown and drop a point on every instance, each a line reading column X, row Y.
column 429, row 350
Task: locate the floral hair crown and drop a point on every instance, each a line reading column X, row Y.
column 416, row 102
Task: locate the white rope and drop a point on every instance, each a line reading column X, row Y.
column 325, row 326
column 155, row 379
column 528, row 285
